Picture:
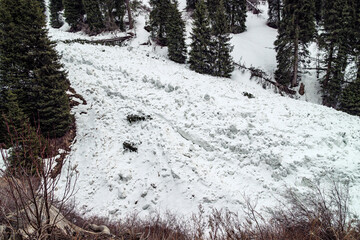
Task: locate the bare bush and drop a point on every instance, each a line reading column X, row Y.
column 28, row 190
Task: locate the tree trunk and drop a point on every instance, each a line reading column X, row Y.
column 131, row 24
column 296, row 58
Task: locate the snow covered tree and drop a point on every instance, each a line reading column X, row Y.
column 158, row 19
column 200, row 55
column 93, row 15
column 335, row 40
column 236, row 12
column 74, row 11
column 55, row 7
column 296, row 30
column 30, row 67
column 175, row 31
column 222, row 65
column 274, row 13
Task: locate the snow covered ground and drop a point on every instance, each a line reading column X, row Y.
column 206, row 143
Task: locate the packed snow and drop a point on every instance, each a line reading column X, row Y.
column 205, row 143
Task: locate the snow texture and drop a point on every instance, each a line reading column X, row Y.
column 206, row 143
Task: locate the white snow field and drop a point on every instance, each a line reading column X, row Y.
column 206, row 143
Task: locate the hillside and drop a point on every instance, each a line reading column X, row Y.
column 204, row 142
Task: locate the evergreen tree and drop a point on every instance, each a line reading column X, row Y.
column 158, row 19
column 296, row 30
column 191, row 4
column 212, row 6
column 222, row 65
column 350, row 98
column 335, row 40
column 236, row 12
column 55, row 7
column 175, row 31
column 274, row 13
column 74, row 11
column 318, row 10
column 30, row 67
column 200, row 55
column 42, row 4
column 93, row 15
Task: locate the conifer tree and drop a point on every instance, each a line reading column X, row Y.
column 222, row 62
column 30, row 67
column 175, row 31
column 200, row 55
column 274, row 13
column 93, row 15
column 335, row 40
column 74, row 11
column 296, row 30
column 191, row 4
column 42, row 4
column 55, row 7
column 236, row 12
column 350, row 98
column 158, row 19
column 212, row 6
column 318, row 10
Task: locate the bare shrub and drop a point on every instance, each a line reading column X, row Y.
column 28, row 191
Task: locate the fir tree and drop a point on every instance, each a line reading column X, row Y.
column 318, row 10
column 200, row 55
column 350, row 98
column 175, row 31
column 212, row 6
column 93, row 15
column 30, row 67
column 296, row 30
column 222, row 65
column 55, row 7
column 158, row 19
column 274, row 13
column 335, row 40
column 74, row 11
column 191, row 4
column 236, row 12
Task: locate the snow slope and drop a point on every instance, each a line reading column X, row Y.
column 206, row 143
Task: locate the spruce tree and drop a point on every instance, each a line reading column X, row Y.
column 30, row 67
column 74, row 11
column 222, row 65
column 191, row 4
column 55, row 7
column 296, row 30
column 158, row 19
column 318, row 10
column 236, row 15
column 200, row 55
column 175, row 31
column 335, row 40
column 93, row 15
column 274, row 13
column 212, row 6
column 350, row 98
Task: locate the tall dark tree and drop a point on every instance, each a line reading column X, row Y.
column 114, row 12
column 274, row 13
column 336, row 42
column 30, row 67
column 191, row 4
column 236, row 12
column 158, row 19
column 296, row 30
column 222, row 62
column 175, row 31
column 350, row 98
column 55, row 7
column 74, row 11
column 93, row 15
column 318, row 10
column 200, row 54
column 212, row 6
